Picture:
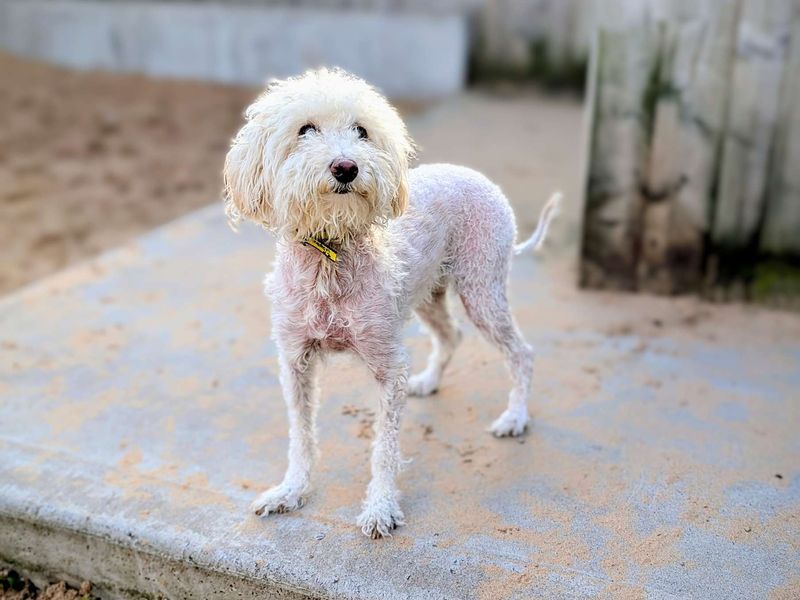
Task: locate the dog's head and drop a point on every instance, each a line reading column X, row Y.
column 323, row 154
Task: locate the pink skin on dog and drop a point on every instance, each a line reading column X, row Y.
column 325, row 156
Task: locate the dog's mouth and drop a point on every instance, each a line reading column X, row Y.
column 342, row 188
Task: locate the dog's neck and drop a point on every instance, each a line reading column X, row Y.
column 323, row 246
column 315, row 274
column 352, row 254
column 334, row 249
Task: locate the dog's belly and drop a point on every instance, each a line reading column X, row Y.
column 337, row 340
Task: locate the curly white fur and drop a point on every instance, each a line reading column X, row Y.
column 403, row 237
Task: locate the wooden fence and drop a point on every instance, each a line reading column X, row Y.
column 693, row 179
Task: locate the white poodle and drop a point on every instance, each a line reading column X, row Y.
column 362, row 241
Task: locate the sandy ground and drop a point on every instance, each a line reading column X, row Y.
column 90, row 160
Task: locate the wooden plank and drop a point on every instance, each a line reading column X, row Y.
column 619, row 136
column 761, row 51
column 781, row 232
column 690, row 117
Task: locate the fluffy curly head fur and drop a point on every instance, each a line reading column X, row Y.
column 277, row 172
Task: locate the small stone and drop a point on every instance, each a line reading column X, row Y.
column 320, row 536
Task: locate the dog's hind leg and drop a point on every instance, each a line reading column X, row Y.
column 487, row 307
column 445, row 336
column 298, row 374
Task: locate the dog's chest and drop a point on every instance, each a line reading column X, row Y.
column 347, row 305
column 330, row 324
column 319, row 310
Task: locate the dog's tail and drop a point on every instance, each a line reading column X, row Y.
column 548, row 213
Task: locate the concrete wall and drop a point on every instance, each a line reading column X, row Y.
column 408, row 53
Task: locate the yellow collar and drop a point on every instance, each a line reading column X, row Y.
column 321, row 246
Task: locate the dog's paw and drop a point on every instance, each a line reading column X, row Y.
column 510, row 423
column 424, row 383
column 279, row 499
column 380, row 519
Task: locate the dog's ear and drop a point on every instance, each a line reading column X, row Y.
column 400, row 200
column 246, row 186
column 403, row 154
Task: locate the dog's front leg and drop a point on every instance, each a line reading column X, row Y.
column 381, row 511
column 298, row 374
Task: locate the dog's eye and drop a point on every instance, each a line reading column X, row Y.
column 306, row 128
column 362, row 133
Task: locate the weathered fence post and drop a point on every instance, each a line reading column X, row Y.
column 689, row 96
column 694, row 149
column 762, row 41
column 623, row 64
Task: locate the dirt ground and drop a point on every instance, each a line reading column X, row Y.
column 90, row 160
column 15, row 587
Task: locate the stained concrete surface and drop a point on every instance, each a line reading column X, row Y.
column 140, row 414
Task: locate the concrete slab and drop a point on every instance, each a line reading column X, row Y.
column 140, row 414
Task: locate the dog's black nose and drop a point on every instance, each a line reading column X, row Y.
column 344, row 170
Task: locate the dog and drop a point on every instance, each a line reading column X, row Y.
column 322, row 161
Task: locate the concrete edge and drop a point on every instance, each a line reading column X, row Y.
column 123, row 559
column 46, row 552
